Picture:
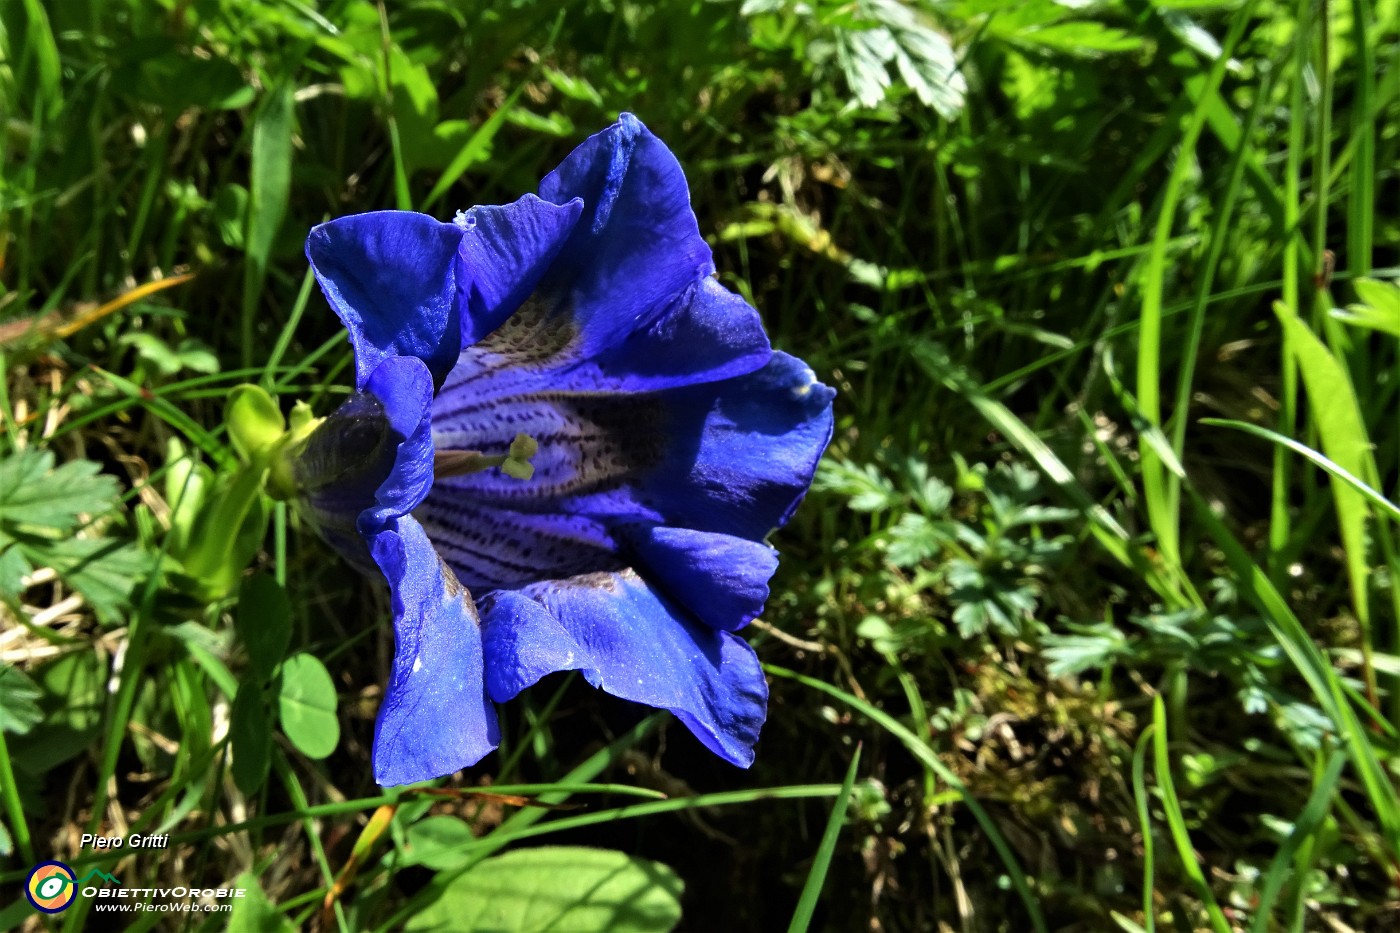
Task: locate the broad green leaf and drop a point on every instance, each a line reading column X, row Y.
column 251, row 736
column 18, row 710
column 438, row 842
column 253, row 912
column 271, row 174
column 557, row 888
column 306, row 704
column 263, row 622
column 33, row 493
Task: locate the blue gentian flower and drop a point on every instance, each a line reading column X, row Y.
column 671, row 440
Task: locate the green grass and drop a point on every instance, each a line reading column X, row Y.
column 1093, row 605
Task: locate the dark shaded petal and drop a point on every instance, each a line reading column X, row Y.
column 634, row 643
column 721, row 579
column 505, row 252
column 392, row 277
column 371, row 459
column 404, row 388
column 435, row 718
column 744, row 450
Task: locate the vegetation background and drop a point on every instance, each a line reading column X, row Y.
column 1095, row 597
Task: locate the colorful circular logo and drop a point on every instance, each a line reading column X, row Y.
column 51, row 887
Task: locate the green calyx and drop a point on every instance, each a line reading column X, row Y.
column 221, row 540
column 266, row 440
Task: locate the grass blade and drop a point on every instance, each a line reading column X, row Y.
column 928, row 759
column 1318, row 805
column 1369, row 492
column 1176, row 821
column 812, row 889
column 267, row 198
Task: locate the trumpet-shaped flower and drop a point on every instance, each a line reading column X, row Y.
column 671, row 439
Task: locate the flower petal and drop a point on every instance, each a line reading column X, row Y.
column 404, row 388
column 392, row 277
column 721, row 579
column 634, row 280
column 633, row 643
column 505, row 252
column 435, row 718
column 637, row 239
column 745, row 450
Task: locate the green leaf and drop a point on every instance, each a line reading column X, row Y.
column 253, row 912
column 231, row 214
column 254, row 421
column 558, row 888
column 571, row 86
column 1342, row 429
column 13, row 566
column 271, row 174
column 101, row 569
column 306, row 704
column 251, row 736
column 71, row 704
column 263, row 622
column 1379, row 308
column 18, row 710
column 33, row 493
column 438, row 842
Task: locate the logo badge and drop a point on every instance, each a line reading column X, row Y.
column 51, row 887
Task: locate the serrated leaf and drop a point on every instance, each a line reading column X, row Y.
column 557, row 888
column 306, row 706
column 33, row 493
column 18, row 710
column 13, row 566
column 263, row 622
column 103, row 570
column 72, row 705
column 913, row 540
